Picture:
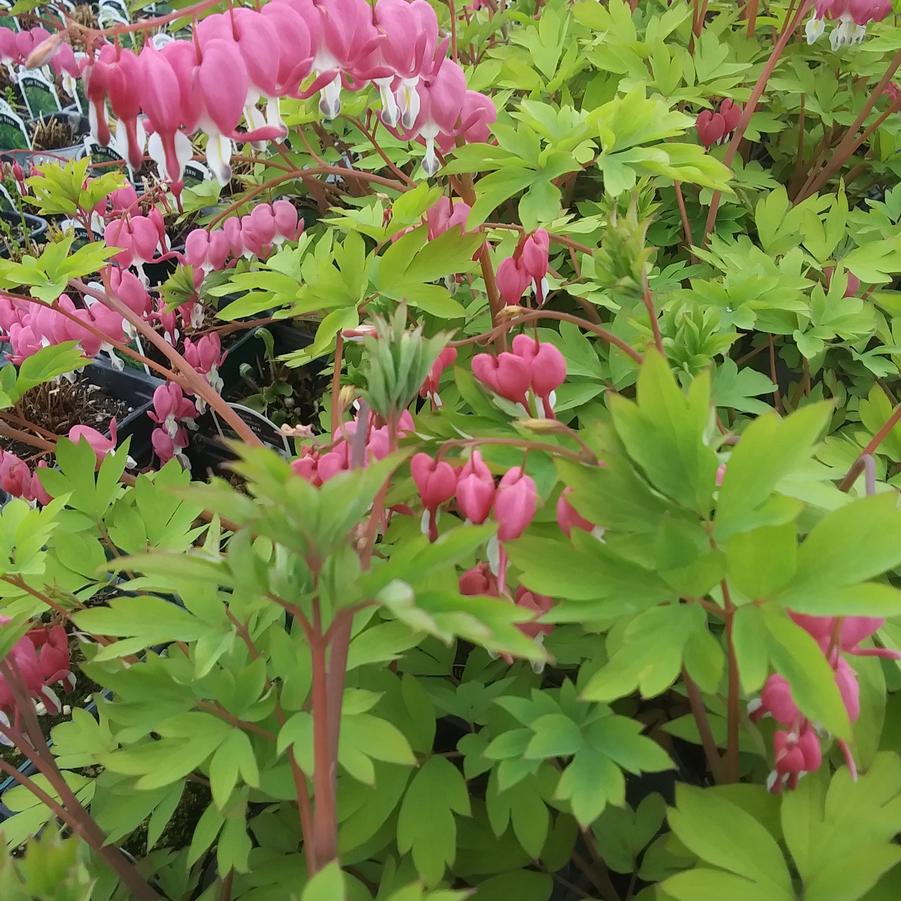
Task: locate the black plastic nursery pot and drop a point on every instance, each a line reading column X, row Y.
column 136, row 388
column 15, row 226
column 207, row 451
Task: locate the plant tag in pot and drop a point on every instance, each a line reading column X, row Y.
column 39, row 93
column 13, row 134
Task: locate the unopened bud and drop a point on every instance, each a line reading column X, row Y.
column 43, row 53
column 542, row 425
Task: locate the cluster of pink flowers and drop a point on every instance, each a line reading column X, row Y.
column 139, row 236
column 853, row 16
column 28, row 327
column 17, row 480
column 172, row 411
column 480, row 580
column 215, row 81
column 17, row 47
column 797, row 747
column 527, row 266
column 206, row 356
column 317, row 466
column 41, row 659
column 533, row 368
column 715, row 127
column 250, row 236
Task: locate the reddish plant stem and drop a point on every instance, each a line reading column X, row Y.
column 753, row 100
column 70, row 810
column 536, row 315
column 197, row 384
column 495, row 302
column 872, row 444
column 325, row 821
column 751, row 15
column 699, row 712
column 540, row 446
column 849, row 142
column 453, row 30
column 556, row 239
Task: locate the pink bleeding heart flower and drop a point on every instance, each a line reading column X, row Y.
column 514, row 504
column 128, row 288
column 221, row 81
column 168, row 446
column 436, row 482
column 259, row 229
column 711, row 127
column 446, row 358
column 170, row 406
column 475, row 490
column 410, row 39
column 512, row 281
column 547, row 370
column 288, row 226
column 15, row 476
column 534, row 254
column 478, row 580
column 568, row 518
column 124, row 91
column 348, row 45
column 197, row 248
column 167, row 101
column 295, row 42
column 539, row 604
column 441, row 95
column 100, row 444
column 795, row 754
column 731, row 113
column 506, row 374
column 776, row 700
column 446, row 214
column 206, row 357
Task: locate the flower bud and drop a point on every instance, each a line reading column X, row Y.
column 514, row 504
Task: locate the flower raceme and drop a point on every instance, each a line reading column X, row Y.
column 533, row 367
column 170, row 409
column 253, row 235
column 852, row 16
column 527, row 266
column 797, row 748
column 41, row 660
column 214, row 82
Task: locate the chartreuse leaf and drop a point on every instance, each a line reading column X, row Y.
column 651, row 655
column 523, row 807
column 45, row 365
column 849, row 545
column 748, row 863
column 327, row 885
column 844, row 837
column 426, row 826
column 664, row 433
column 769, row 449
column 585, row 570
column 762, row 561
